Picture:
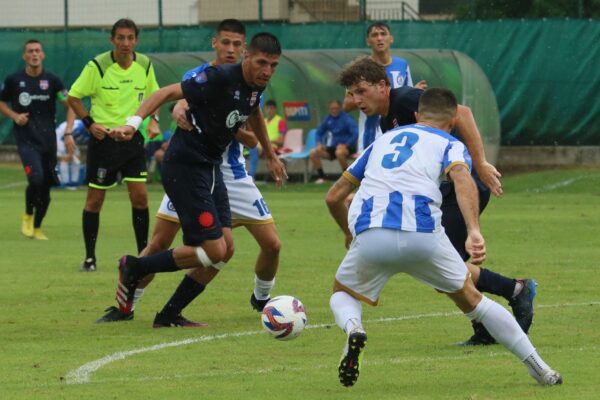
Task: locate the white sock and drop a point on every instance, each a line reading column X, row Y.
column 346, row 310
column 536, row 365
column 503, row 327
column 137, row 295
column 75, row 168
column 262, row 289
column 63, row 172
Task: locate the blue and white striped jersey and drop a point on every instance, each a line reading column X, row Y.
column 398, row 73
column 399, row 177
column 233, row 156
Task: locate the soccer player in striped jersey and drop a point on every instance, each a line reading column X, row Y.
column 397, row 107
column 380, row 39
column 394, row 226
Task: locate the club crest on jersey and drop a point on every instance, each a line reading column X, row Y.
column 201, row 77
column 22, row 84
column 253, row 98
column 236, row 95
column 44, row 84
column 101, row 174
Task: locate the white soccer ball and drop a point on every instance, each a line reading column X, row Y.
column 284, row 317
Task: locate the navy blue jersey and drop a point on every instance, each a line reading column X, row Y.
column 404, row 102
column 220, row 102
column 37, row 96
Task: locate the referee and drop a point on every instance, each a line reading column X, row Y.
column 116, row 82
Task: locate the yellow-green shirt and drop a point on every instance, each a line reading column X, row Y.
column 115, row 93
column 275, row 128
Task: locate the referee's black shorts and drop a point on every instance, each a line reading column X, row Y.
column 452, row 219
column 199, row 195
column 107, row 158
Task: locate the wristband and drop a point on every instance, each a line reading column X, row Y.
column 134, row 121
column 88, row 121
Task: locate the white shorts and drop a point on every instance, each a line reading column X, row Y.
column 377, row 254
column 245, row 201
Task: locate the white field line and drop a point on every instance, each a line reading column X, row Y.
column 12, row 185
column 563, row 183
column 83, row 374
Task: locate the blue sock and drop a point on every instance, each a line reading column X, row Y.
column 160, row 262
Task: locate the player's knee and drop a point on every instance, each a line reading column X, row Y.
column 271, row 245
column 230, row 250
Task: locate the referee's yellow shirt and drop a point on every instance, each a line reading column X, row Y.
column 115, row 93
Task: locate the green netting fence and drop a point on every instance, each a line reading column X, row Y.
column 545, row 73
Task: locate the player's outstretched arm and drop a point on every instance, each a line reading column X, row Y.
column 256, row 121
column 487, row 172
column 336, row 202
column 148, row 106
column 468, row 201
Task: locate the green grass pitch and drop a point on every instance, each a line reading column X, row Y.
column 547, row 226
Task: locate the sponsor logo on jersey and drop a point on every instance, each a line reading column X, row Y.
column 234, row 117
column 44, row 84
column 101, row 174
column 201, row 77
column 28, row 170
column 296, row 110
column 24, row 99
column 253, row 98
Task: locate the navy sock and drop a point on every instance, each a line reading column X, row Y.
column 29, row 194
column 185, row 293
column 141, row 220
column 91, row 223
column 320, row 173
column 42, row 204
column 159, row 262
column 491, row 282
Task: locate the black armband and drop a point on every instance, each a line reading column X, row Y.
column 87, row 121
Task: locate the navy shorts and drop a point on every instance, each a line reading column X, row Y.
column 452, row 219
column 107, row 160
column 40, row 167
column 199, row 195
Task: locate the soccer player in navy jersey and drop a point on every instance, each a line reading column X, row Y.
column 248, row 208
column 394, row 224
column 397, row 107
column 32, row 93
column 221, row 100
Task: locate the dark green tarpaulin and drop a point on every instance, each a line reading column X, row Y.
column 545, row 73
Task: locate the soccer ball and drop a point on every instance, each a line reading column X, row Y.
column 284, row 317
